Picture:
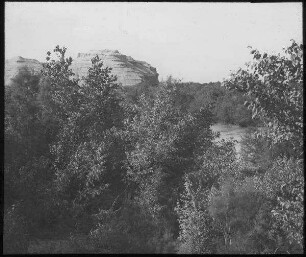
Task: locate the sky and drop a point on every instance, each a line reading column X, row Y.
column 199, row 42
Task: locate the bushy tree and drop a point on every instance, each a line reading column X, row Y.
column 28, row 173
column 197, row 231
column 275, row 84
column 59, row 89
column 257, row 151
column 165, row 143
column 199, row 96
column 88, row 148
column 130, row 229
column 283, row 183
column 261, row 213
column 227, row 106
column 224, row 211
column 229, row 109
column 240, row 211
column 24, row 137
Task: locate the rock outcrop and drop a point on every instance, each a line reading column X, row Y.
column 128, row 71
column 14, row 65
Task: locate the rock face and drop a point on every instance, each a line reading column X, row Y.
column 128, row 71
column 14, row 65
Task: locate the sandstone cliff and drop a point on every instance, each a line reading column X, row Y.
column 128, row 71
column 14, row 65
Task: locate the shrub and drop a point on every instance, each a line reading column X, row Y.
column 129, row 230
column 284, row 185
column 239, row 210
column 198, row 233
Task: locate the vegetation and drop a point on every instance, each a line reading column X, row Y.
column 226, row 106
column 117, row 171
column 275, row 84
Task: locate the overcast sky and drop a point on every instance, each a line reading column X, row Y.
column 198, row 42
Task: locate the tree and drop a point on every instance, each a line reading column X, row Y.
column 275, row 85
column 24, row 137
column 283, row 183
column 165, row 141
column 59, row 89
column 88, row 149
column 240, row 212
column 28, row 174
column 198, row 232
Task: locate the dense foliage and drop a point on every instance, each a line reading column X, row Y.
column 116, row 170
column 275, row 83
column 226, row 106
